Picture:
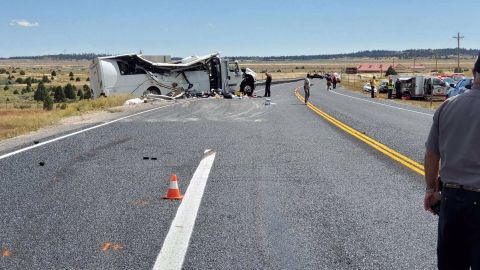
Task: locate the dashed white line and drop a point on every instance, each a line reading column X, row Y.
column 176, row 242
column 78, row 132
column 381, row 104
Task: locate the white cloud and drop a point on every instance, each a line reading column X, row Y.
column 24, row 23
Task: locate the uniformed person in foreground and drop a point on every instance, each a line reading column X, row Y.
column 453, row 149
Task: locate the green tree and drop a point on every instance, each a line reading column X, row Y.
column 54, row 73
column 59, row 95
column 391, row 71
column 87, row 93
column 28, row 89
column 41, row 93
column 3, row 71
column 70, row 74
column 71, row 79
column 15, row 92
column 45, row 79
column 22, row 72
column 70, row 92
column 6, row 88
column 88, row 79
column 80, row 93
column 48, row 103
column 77, row 79
column 28, row 81
column 19, row 80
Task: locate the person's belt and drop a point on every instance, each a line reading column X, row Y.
column 461, row 187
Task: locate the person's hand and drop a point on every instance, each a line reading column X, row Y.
column 431, row 198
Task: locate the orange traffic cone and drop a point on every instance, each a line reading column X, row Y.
column 173, row 192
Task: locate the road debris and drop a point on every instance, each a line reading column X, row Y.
column 6, row 252
column 106, row 246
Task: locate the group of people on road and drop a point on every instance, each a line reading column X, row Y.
column 331, row 81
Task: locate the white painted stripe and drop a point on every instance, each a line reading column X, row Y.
column 80, row 131
column 381, row 104
column 176, row 242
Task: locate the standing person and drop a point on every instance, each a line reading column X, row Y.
column 390, row 87
column 329, row 82
column 306, row 88
column 453, row 150
column 398, row 89
column 268, row 82
column 373, row 84
column 334, row 81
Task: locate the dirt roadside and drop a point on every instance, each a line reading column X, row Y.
column 77, row 122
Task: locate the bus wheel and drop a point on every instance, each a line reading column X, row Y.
column 153, row 90
column 246, row 88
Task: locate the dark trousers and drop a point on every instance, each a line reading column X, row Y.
column 307, row 95
column 459, row 230
column 373, row 92
column 267, row 90
column 334, row 85
column 390, row 93
column 398, row 93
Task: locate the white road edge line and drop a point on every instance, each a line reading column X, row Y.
column 381, row 104
column 78, row 132
column 176, row 242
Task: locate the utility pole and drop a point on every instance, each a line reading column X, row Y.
column 458, row 38
column 414, row 65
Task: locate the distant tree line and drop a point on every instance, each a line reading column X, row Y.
column 71, row 56
column 406, row 54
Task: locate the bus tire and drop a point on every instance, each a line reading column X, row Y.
column 153, row 90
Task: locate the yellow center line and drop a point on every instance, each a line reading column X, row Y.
column 406, row 161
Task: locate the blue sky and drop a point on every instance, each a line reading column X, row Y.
column 269, row 27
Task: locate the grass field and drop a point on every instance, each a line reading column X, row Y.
column 14, row 122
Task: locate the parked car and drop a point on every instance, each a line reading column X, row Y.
column 449, row 81
column 460, row 87
column 316, row 75
column 383, row 88
column 368, row 88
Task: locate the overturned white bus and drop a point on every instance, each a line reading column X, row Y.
column 132, row 74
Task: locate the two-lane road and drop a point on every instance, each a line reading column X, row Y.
column 287, row 190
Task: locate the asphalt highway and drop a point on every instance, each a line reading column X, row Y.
column 287, row 190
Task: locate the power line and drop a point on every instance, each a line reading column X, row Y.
column 458, row 38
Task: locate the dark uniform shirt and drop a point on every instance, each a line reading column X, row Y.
column 455, row 136
column 269, row 80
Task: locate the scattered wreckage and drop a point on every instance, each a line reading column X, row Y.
column 192, row 76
